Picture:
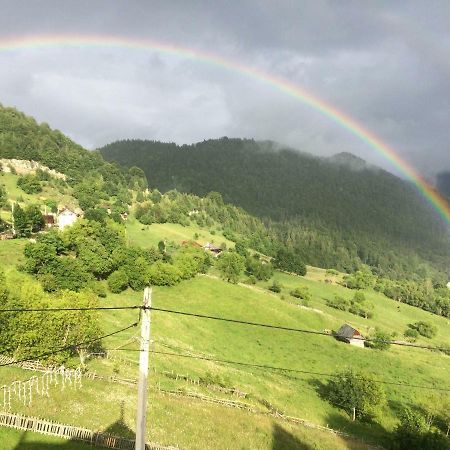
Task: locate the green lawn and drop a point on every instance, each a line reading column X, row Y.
column 191, row 423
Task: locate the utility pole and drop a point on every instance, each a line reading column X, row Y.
column 143, row 371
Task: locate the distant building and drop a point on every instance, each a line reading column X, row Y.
column 350, row 335
column 66, row 217
column 216, row 251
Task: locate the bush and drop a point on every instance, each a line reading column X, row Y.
column 98, row 289
column 413, row 434
column 29, row 184
column 301, row 293
column 164, row 274
column 332, row 272
column 379, row 340
column 250, row 280
column 338, row 303
column 261, row 271
column 359, row 297
column 411, row 335
column 425, row 329
column 363, row 310
column 350, row 390
column 117, row 281
column 275, row 287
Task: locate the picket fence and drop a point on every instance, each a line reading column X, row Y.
column 96, row 438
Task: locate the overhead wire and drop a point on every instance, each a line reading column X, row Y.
column 224, row 319
column 297, row 330
column 283, row 369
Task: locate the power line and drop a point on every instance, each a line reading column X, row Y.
column 68, row 347
column 297, row 330
column 222, row 319
column 276, row 368
column 89, row 308
column 285, row 369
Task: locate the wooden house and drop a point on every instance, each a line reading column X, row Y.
column 66, row 217
column 350, row 335
column 216, row 251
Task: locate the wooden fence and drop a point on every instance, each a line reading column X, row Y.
column 37, row 366
column 96, row 438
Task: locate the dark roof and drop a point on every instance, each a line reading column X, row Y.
column 348, row 332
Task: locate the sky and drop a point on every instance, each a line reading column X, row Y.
column 386, row 64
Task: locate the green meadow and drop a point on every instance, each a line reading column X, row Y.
column 193, row 423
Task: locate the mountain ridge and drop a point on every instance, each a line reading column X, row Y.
column 369, row 211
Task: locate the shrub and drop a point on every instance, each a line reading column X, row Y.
column 379, row 340
column 164, row 274
column 301, row 293
column 413, row 433
column 117, row 281
column 411, row 335
column 363, row 310
column 355, row 391
column 359, row 297
column 426, row 329
column 332, row 272
column 29, row 184
column 250, row 280
column 338, row 303
column 275, row 287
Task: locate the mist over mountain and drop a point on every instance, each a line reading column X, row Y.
column 353, row 205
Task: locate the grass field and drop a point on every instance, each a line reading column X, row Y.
column 149, row 235
column 192, row 423
column 48, row 192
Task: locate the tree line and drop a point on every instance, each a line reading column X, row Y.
column 332, row 212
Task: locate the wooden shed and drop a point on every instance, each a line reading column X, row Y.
column 350, row 335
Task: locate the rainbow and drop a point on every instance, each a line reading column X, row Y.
column 440, row 205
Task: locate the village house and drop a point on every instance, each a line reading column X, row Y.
column 216, row 251
column 66, row 217
column 350, row 335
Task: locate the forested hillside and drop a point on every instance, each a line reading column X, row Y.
column 90, row 179
column 336, row 212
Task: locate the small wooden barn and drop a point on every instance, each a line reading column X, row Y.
column 350, row 335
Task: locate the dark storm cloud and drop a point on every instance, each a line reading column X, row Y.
column 384, row 63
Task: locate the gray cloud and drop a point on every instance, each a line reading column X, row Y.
column 384, row 63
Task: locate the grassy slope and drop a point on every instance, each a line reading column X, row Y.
column 149, row 235
column 48, row 192
column 194, row 424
